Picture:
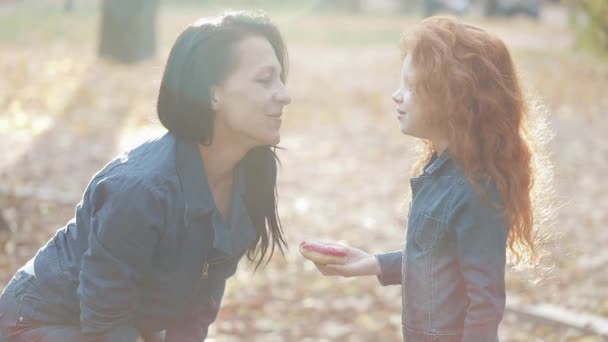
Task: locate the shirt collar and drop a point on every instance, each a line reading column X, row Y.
column 193, row 179
column 233, row 237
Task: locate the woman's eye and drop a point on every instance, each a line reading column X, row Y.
column 265, row 79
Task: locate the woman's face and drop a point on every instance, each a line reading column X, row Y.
column 248, row 104
column 409, row 112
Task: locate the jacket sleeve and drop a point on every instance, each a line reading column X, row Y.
column 390, row 268
column 191, row 328
column 125, row 223
column 481, row 236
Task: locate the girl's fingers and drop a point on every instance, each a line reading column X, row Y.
column 332, row 269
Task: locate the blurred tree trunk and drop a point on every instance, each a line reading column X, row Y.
column 5, row 233
column 128, row 30
column 407, row 6
column 68, row 5
column 351, row 6
column 490, row 8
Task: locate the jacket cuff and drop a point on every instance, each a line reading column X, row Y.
column 390, row 268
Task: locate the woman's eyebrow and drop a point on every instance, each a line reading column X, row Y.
column 268, row 68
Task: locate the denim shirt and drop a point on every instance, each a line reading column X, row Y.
column 452, row 267
column 147, row 247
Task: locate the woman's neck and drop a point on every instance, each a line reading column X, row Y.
column 219, row 160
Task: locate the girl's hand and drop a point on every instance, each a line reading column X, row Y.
column 358, row 263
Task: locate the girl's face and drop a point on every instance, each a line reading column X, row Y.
column 409, row 112
column 248, row 104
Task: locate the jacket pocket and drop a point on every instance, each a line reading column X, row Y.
column 29, row 311
column 427, row 232
column 34, row 310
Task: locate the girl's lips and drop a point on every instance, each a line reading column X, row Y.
column 276, row 120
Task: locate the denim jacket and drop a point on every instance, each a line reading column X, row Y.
column 452, row 267
column 147, row 248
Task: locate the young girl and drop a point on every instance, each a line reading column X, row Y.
column 472, row 197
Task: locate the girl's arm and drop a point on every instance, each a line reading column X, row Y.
column 390, row 268
column 481, row 235
column 358, row 263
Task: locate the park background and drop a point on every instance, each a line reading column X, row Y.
column 65, row 112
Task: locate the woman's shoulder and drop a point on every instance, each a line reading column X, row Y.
column 149, row 166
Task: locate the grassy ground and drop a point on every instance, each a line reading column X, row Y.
column 64, row 114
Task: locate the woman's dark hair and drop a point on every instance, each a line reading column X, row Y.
column 202, row 57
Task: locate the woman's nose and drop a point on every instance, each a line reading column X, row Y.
column 283, row 97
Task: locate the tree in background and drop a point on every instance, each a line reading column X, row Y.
column 5, row 233
column 128, row 30
column 349, row 6
column 68, row 5
column 352, row 6
column 590, row 19
column 490, row 7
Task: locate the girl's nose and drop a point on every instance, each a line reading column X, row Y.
column 397, row 96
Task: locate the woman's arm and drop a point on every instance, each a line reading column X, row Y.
column 125, row 224
column 191, row 328
column 481, row 235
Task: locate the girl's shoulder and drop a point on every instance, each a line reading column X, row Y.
column 476, row 192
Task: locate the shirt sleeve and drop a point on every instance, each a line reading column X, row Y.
column 390, row 268
column 481, row 235
column 125, row 224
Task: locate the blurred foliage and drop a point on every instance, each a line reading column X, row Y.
column 590, row 20
column 274, row 4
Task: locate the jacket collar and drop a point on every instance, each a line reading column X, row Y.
column 437, row 163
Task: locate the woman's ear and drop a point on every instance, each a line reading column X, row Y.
column 216, row 94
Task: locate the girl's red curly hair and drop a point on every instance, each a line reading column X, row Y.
column 466, row 81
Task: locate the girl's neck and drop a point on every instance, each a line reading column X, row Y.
column 439, row 145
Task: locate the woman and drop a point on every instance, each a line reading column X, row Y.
column 161, row 228
column 460, row 94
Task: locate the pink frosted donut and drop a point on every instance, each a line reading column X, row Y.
column 323, row 253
